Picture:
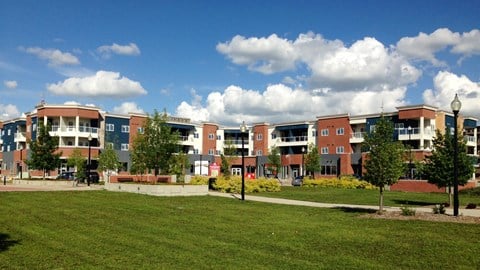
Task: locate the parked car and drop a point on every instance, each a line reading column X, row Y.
column 297, row 181
column 66, row 176
column 94, row 178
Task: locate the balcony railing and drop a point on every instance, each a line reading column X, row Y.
column 20, row 137
column 69, row 129
column 357, row 137
column 294, row 139
column 235, row 142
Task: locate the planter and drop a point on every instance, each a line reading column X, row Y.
column 159, row 190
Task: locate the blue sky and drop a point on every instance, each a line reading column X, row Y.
column 234, row 61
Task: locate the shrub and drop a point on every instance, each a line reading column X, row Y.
column 407, row 210
column 346, row 182
column 439, row 209
column 471, row 206
column 199, row 180
column 233, row 184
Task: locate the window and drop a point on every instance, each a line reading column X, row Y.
column 274, row 136
column 372, row 128
column 211, row 136
column 110, row 127
column 195, row 151
column 329, row 169
column 259, row 152
column 8, row 148
column 218, row 152
column 140, row 130
column 340, row 149
column 324, row 150
column 124, row 147
column 9, row 132
column 195, row 135
column 259, row 136
column 324, row 132
column 110, row 145
column 210, row 151
column 314, row 133
column 219, row 137
column 34, row 127
column 340, row 131
column 125, row 129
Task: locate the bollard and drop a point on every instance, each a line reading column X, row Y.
column 4, row 180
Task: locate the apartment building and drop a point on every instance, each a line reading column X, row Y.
column 338, row 139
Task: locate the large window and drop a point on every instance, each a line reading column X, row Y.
column 124, row 147
column 325, row 132
column 340, row 149
column 329, row 169
column 340, row 131
column 110, row 127
column 125, row 129
column 324, row 150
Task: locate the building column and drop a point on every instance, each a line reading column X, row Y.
column 422, row 132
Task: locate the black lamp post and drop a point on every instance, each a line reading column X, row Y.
column 410, row 152
column 21, row 162
column 456, row 105
column 89, row 158
column 243, row 129
column 303, row 161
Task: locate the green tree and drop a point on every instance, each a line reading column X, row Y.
column 438, row 168
column 312, row 160
column 179, row 163
column 274, row 159
column 108, row 161
column 77, row 160
column 42, row 149
column 154, row 148
column 385, row 160
column 225, row 166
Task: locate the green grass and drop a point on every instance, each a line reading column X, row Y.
column 367, row 197
column 105, row 230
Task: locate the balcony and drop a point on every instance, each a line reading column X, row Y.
column 292, row 140
column 357, row 137
column 71, row 131
column 235, row 142
column 20, row 137
column 415, row 134
column 185, row 140
column 470, row 140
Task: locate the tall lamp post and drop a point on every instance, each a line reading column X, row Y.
column 243, row 129
column 21, row 162
column 410, row 152
column 89, row 158
column 456, row 105
column 303, row 161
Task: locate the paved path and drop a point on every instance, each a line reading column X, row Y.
column 25, row 187
column 465, row 212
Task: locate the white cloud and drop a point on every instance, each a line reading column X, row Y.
column 446, row 85
column 54, row 57
column 107, row 50
column 265, row 55
column 280, row 103
column 366, row 65
column 8, row 112
column 71, row 103
column 102, row 84
column 10, row 84
column 127, row 107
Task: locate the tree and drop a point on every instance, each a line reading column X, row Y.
column 225, row 166
column 43, row 156
column 385, row 161
column 274, row 159
column 312, row 160
column 178, row 164
column 438, row 168
column 153, row 149
column 77, row 160
column 108, row 160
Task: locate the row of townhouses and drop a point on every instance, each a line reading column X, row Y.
column 338, row 138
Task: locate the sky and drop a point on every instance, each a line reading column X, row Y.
column 233, row 61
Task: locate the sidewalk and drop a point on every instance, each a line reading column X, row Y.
column 29, row 187
column 449, row 211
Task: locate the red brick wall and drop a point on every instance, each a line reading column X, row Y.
column 423, row 186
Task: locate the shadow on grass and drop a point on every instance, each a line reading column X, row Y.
column 5, row 242
column 356, row 210
column 414, row 203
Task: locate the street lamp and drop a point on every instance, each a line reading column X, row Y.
column 21, row 162
column 456, row 105
column 89, row 158
column 410, row 152
column 243, row 129
column 303, row 161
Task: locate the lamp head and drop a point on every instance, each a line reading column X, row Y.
column 90, row 137
column 456, row 105
column 243, row 127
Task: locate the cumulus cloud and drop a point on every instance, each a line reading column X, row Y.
column 8, row 111
column 366, row 65
column 102, row 84
column 10, row 84
column 106, row 51
column 446, row 85
column 54, row 57
column 281, row 103
column 127, row 107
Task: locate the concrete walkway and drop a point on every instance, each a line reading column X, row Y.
column 29, row 187
column 449, row 211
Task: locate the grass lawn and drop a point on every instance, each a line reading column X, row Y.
column 104, row 230
column 367, row 197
